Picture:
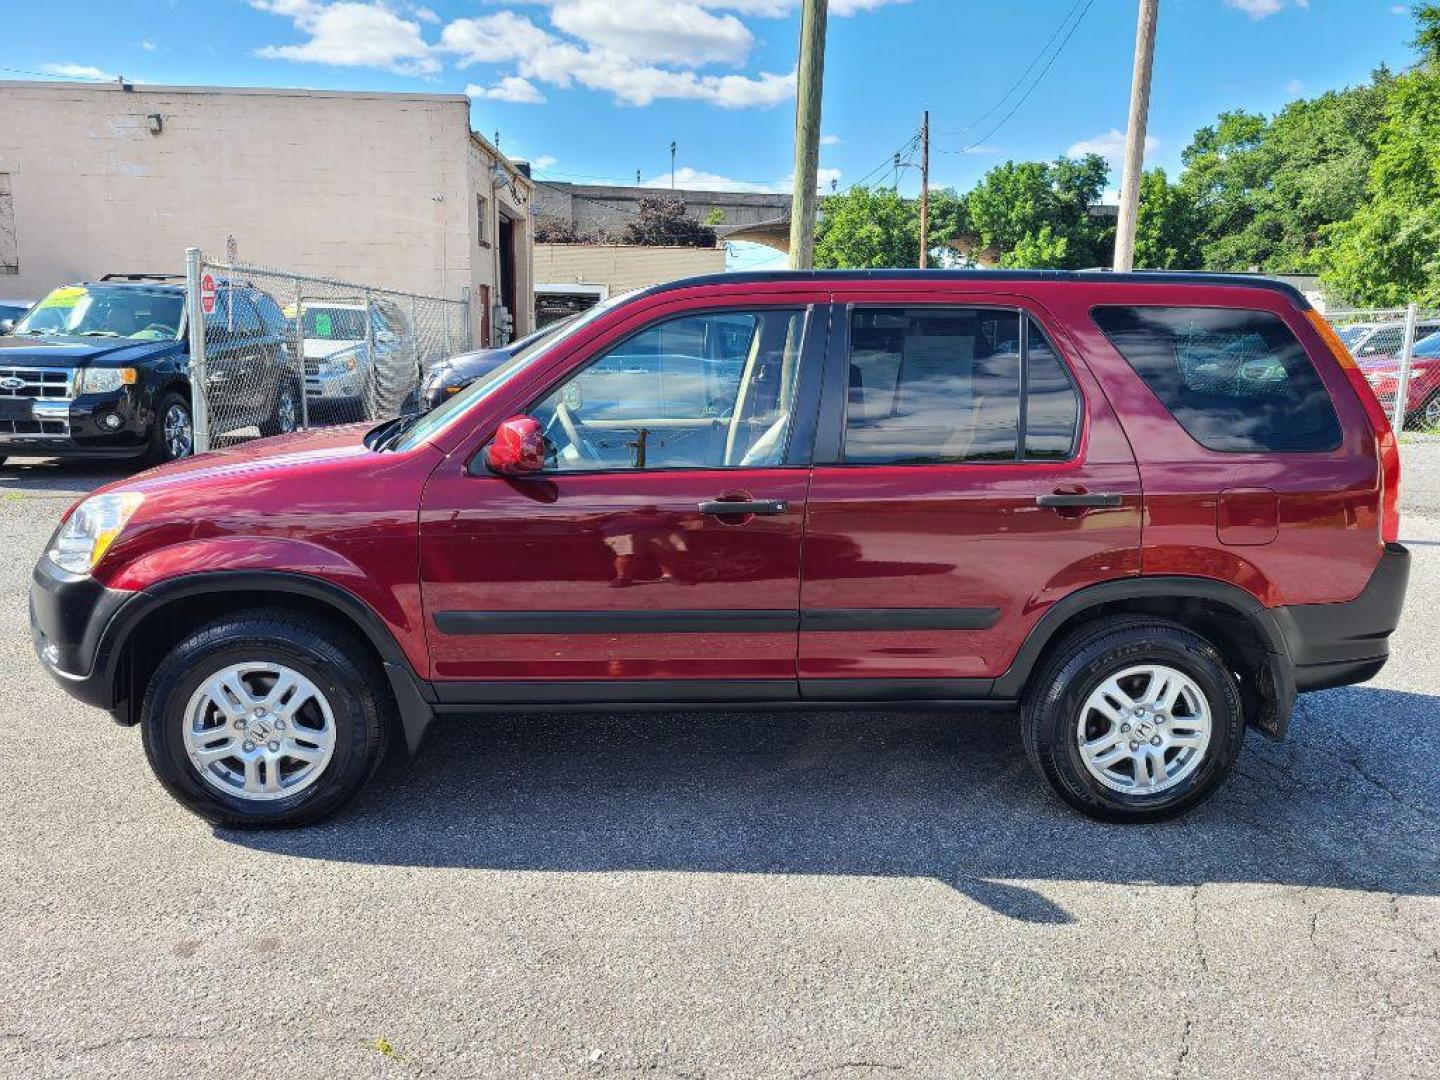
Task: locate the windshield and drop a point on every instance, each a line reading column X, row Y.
column 1430, row 346
column 101, row 311
column 334, row 323
column 443, row 414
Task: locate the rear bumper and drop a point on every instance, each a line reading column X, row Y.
column 1348, row 642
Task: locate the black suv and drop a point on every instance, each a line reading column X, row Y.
column 102, row 369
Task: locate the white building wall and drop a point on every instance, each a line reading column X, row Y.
column 374, row 188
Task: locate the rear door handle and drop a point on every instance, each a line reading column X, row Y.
column 736, row 506
column 1063, row 500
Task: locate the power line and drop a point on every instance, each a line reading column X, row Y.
column 1038, row 80
column 1016, row 84
column 57, row 75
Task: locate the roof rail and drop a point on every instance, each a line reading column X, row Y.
column 143, row 277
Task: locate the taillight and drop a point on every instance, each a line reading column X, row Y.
column 1385, row 441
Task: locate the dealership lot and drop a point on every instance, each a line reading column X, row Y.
column 844, row 895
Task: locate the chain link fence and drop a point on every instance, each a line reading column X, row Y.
column 274, row 351
column 1398, row 350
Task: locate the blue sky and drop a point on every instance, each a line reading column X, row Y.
column 597, row 89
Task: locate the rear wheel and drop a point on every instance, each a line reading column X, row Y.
column 1133, row 719
column 264, row 720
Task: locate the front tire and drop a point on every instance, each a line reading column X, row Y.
column 172, row 434
column 284, row 413
column 1133, row 719
column 266, row 720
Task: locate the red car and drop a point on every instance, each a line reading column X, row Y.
column 1422, row 391
column 1144, row 509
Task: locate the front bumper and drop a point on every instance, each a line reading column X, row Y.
column 1348, row 642
column 78, row 427
column 69, row 616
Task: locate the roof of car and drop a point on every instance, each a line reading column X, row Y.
column 1089, row 277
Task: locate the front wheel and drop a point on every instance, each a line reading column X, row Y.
column 284, row 413
column 1427, row 417
column 263, row 720
column 1133, row 719
column 172, row 435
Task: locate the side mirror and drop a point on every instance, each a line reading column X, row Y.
column 6, row 325
column 518, row 448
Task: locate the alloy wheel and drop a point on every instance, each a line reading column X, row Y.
column 259, row 731
column 285, row 412
column 179, row 431
column 1144, row 729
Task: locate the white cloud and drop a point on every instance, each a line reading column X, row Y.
column 351, row 34
column 510, row 88
column 148, row 46
column 540, row 55
column 830, row 140
column 1110, row 146
column 543, row 162
column 693, row 179
column 1263, row 9
column 1293, row 87
column 638, row 51
column 675, row 33
column 1399, row 9
column 78, row 71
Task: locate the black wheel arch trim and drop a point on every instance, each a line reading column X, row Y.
column 413, row 694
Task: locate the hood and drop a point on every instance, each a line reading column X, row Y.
column 66, row 351
column 317, row 446
column 320, row 348
column 466, row 365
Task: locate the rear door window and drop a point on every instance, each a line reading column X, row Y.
column 936, row 386
column 1236, row 381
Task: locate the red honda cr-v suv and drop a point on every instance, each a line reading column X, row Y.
column 1146, row 509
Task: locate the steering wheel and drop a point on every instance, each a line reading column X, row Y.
column 572, row 432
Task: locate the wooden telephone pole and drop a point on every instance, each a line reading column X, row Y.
column 810, row 80
column 925, row 191
column 1135, row 135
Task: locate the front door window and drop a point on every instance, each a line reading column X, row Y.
column 707, row 391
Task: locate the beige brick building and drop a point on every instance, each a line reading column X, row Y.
column 393, row 190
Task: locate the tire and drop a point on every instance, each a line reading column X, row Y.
column 1060, row 698
column 1427, row 417
column 284, row 411
column 331, row 661
column 167, row 442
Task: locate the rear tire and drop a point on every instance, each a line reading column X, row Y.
column 231, row 749
column 1091, row 726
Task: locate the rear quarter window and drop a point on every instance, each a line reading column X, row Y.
column 1237, row 381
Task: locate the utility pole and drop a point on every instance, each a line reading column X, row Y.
column 809, row 87
column 672, row 164
column 925, row 191
column 1135, row 134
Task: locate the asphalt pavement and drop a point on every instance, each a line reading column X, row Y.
column 850, row 895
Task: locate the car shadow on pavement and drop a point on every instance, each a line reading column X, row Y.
column 924, row 795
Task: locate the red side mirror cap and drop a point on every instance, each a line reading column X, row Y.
column 518, row 448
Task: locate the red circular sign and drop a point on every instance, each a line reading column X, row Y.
column 207, row 293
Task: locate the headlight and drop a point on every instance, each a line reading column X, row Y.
column 88, row 533
column 99, row 380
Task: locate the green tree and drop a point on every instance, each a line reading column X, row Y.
column 1265, row 190
column 1389, row 251
column 1167, row 226
column 1038, row 213
column 866, row 229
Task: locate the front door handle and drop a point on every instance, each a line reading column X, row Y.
column 1066, row 500
column 737, row 506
